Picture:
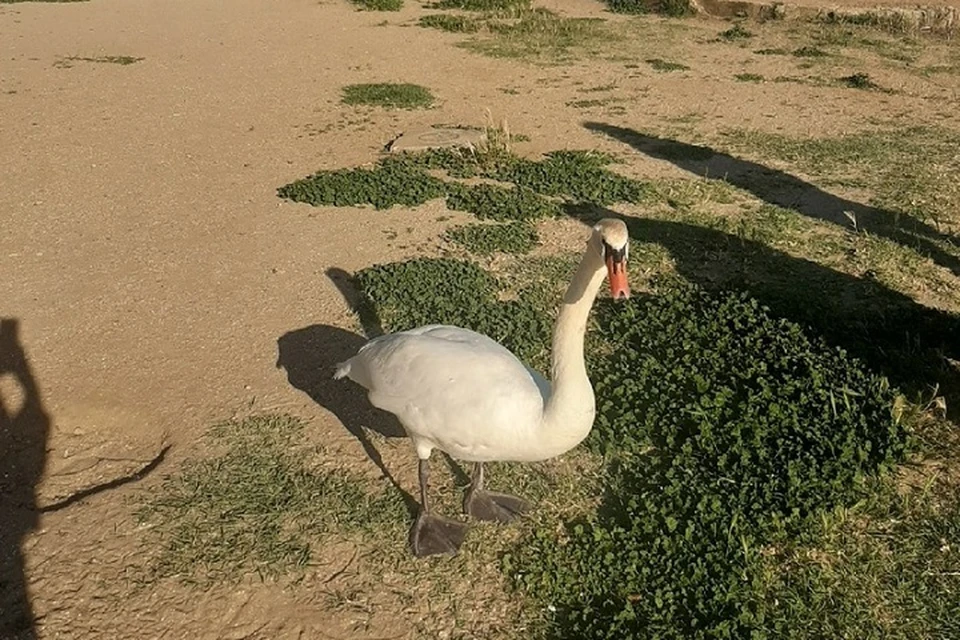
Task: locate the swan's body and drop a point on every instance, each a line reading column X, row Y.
column 461, row 392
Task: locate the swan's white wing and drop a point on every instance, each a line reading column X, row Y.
column 453, row 389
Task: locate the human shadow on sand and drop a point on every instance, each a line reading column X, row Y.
column 788, row 191
column 24, row 428
column 310, row 356
column 24, row 431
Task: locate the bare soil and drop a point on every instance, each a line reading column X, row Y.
column 153, row 269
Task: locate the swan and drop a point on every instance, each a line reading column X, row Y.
column 467, row 395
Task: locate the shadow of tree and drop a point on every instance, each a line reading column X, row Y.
column 914, row 345
column 785, row 190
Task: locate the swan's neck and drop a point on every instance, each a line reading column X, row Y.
column 569, row 412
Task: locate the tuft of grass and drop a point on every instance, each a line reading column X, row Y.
column 736, row 32
column 481, row 5
column 388, row 95
column 486, row 239
column 897, row 48
column 540, row 33
column 255, row 508
column 810, row 52
column 772, row 52
column 749, row 77
column 67, row 62
column 450, row 23
column 588, row 103
column 664, row 66
column 512, row 29
column 860, row 81
column 379, row 5
column 671, row 8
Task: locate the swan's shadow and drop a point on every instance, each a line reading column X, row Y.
column 310, row 355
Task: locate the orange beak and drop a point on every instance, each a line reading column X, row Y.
column 617, row 272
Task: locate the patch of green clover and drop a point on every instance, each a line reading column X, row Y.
column 404, row 295
column 408, row 179
column 726, row 430
column 578, row 176
column 383, row 186
column 729, row 434
column 489, row 201
column 485, row 239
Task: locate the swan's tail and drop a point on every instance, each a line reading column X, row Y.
column 343, row 370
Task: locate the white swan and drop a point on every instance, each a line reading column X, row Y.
column 462, row 393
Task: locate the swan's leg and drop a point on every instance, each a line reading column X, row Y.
column 433, row 534
column 487, row 505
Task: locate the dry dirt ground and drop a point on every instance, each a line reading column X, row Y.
column 152, row 268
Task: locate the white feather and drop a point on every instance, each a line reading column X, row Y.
column 452, row 389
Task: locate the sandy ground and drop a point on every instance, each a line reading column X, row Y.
column 152, row 268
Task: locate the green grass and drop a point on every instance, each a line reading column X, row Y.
column 886, row 569
column 384, row 186
column 732, row 428
column 672, row 8
column 257, row 507
column 481, row 5
column 749, row 77
column 450, row 23
column 486, row 239
column 860, row 81
column 541, row 34
column 897, row 48
column 906, row 169
column 488, row 201
column 67, row 62
column 810, row 52
column 379, row 5
column 578, row 176
column 665, row 66
column 736, row 32
column 437, row 290
column 512, row 29
column 388, row 95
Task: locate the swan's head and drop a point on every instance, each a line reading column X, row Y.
column 612, row 240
